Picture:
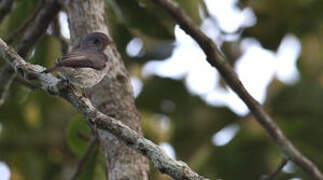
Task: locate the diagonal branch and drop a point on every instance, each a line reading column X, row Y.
column 85, row 157
column 25, row 83
column 5, row 8
column 216, row 59
column 7, row 75
column 44, row 16
column 22, row 28
column 121, row 162
column 273, row 175
column 6, row 79
column 176, row 169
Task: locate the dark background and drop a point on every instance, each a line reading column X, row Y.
column 42, row 137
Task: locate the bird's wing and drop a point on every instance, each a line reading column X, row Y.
column 82, row 60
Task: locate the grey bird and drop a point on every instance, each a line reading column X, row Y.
column 85, row 66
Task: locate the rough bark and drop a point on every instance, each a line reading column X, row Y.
column 113, row 96
column 54, row 86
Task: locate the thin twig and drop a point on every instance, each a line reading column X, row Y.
column 5, row 8
column 82, row 135
column 46, row 15
column 176, row 169
column 216, row 59
column 25, row 83
column 85, row 157
column 22, row 28
column 272, row 176
column 5, row 82
column 6, row 76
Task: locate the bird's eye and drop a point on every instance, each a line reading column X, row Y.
column 96, row 41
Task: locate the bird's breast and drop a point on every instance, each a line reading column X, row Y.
column 83, row 77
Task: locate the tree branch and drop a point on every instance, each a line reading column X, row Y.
column 5, row 8
column 113, row 95
column 22, row 28
column 85, row 157
column 25, row 83
column 216, row 59
column 48, row 82
column 46, row 14
column 6, row 78
column 44, row 17
column 273, row 175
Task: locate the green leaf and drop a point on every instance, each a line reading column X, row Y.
column 74, row 141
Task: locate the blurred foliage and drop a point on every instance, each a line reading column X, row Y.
column 42, row 137
column 75, row 130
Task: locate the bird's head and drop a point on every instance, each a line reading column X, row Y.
column 97, row 40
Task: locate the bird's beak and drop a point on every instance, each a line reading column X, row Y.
column 108, row 43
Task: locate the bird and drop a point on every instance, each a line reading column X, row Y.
column 86, row 65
